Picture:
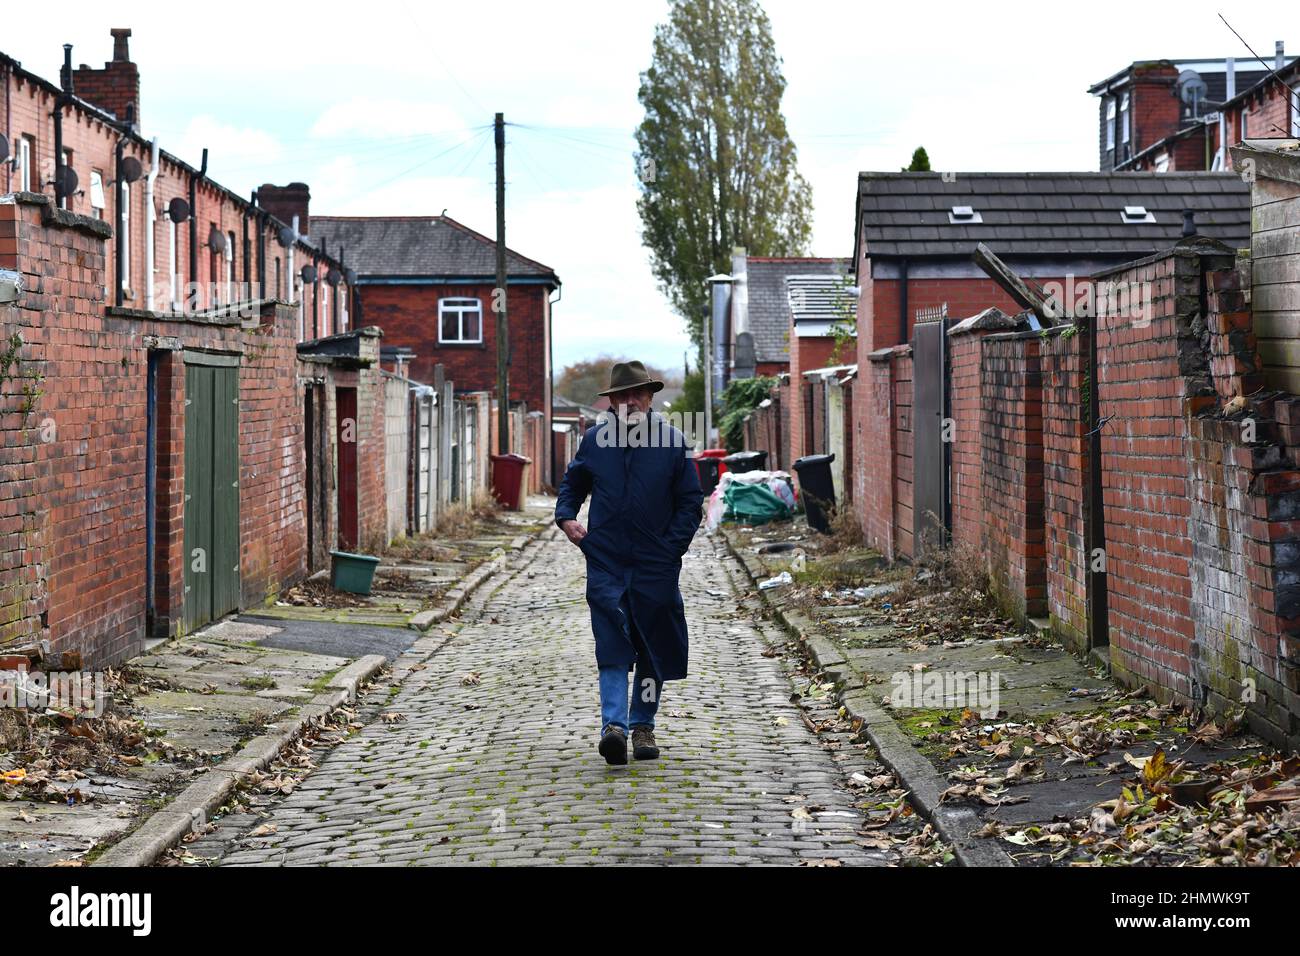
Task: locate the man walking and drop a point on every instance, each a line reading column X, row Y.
column 645, row 509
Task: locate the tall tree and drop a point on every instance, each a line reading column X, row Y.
column 717, row 166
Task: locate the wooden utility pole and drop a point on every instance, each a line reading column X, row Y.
column 499, row 297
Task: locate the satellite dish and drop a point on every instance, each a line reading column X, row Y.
column 350, row 275
column 287, row 236
column 308, row 274
column 66, row 181
column 1192, row 90
column 4, row 148
column 333, row 277
column 178, row 210
column 216, row 241
column 131, row 169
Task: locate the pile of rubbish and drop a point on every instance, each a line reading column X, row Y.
column 752, row 498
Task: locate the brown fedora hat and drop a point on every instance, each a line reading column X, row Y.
column 625, row 375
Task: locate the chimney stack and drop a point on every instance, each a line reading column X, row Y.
column 1279, row 58
column 285, row 202
column 117, row 86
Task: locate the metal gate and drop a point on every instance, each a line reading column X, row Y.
column 396, row 437
column 211, row 488
column 346, row 426
column 423, row 460
column 930, row 514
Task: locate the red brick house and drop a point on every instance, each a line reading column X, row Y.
column 1177, row 115
column 428, row 282
column 178, row 441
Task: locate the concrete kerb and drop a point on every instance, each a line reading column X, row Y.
column 895, row 748
column 193, row 805
column 456, row 597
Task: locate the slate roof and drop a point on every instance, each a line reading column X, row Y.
column 436, row 247
column 769, row 307
column 1047, row 214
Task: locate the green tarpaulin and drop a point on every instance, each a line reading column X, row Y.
column 753, row 504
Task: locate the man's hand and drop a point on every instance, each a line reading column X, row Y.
column 573, row 530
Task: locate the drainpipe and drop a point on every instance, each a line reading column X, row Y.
column 119, row 245
column 9, row 137
column 60, row 101
column 902, row 301
column 1229, row 91
column 151, row 221
column 194, row 219
column 260, row 220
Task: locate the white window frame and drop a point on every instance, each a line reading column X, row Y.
column 98, row 202
column 1110, row 122
column 24, row 164
column 124, row 223
column 325, row 310
column 1123, row 119
column 460, row 306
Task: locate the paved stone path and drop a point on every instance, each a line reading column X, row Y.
column 505, row 771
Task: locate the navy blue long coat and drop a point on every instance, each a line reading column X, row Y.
column 645, row 509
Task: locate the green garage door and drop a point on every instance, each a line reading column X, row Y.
column 211, row 488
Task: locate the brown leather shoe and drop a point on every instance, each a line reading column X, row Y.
column 613, row 746
column 643, row 743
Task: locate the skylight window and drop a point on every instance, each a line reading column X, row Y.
column 1136, row 214
column 963, row 215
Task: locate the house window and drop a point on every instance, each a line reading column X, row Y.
column 26, row 148
column 1110, row 123
column 97, row 193
column 460, row 320
column 1123, row 119
column 325, row 313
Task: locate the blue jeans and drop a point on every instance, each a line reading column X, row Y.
column 615, row 710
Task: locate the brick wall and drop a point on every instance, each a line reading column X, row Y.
column 806, row 353
column 82, row 501
column 1063, row 359
column 967, row 410
column 1012, row 471
column 1146, row 489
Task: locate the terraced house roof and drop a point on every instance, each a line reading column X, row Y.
column 1117, row 216
column 420, row 247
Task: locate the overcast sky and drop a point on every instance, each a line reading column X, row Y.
column 385, row 108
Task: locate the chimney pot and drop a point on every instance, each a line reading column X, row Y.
column 121, row 53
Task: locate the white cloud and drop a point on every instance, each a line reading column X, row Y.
column 229, row 146
column 369, row 117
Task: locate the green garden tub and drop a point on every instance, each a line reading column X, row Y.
column 352, row 572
